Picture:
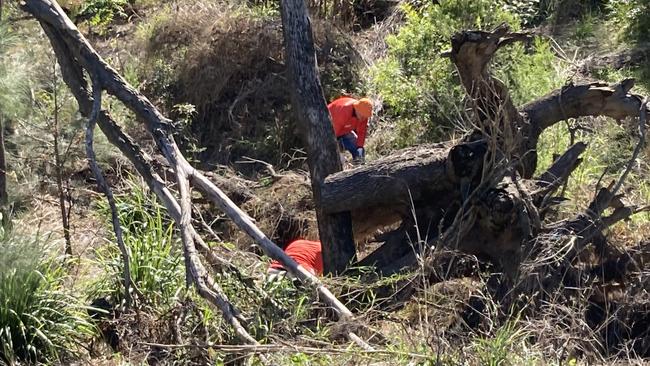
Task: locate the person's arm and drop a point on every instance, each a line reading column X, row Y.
column 362, row 127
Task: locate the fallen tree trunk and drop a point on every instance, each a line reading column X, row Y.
column 392, row 181
column 418, row 182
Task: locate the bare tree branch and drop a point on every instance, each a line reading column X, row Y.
column 103, row 186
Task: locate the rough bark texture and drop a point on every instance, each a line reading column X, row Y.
column 393, row 181
column 593, row 99
column 335, row 229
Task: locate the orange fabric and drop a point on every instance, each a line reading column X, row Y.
column 307, row 253
column 344, row 121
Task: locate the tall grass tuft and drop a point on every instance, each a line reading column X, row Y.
column 40, row 322
column 156, row 259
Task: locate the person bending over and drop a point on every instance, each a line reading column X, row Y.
column 350, row 121
column 307, row 253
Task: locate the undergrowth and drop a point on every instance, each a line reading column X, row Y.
column 40, row 320
column 226, row 60
column 157, row 268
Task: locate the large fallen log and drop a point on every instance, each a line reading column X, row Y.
column 405, row 177
column 416, row 185
column 426, row 171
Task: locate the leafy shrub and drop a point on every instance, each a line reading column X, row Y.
column 529, row 75
column 421, row 92
column 156, row 260
column 39, row 320
column 632, row 17
column 101, row 13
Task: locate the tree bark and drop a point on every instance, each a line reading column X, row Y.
column 394, row 181
column 309, row 104
column 592, row 99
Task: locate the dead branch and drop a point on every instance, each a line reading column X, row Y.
column 573, row 101
column 103, row 186
column 205, row 285
column 554, row 251
column 73, row 77
column 560, row 170
column 269, row 168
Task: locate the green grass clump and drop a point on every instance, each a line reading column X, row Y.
column 39, row 320
column 156, row 263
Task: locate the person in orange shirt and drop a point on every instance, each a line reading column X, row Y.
column 350, row 121
column 306, row 252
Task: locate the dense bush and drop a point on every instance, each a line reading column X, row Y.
column 633, row 19
column 420, row 90
column 39, row 320
column 227, row 61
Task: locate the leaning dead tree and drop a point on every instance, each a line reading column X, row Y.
column 81, row 65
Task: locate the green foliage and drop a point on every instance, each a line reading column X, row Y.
column 39, row 319
column 421, row 92
column 585, row 27
column 101, row 13
column 13, row 75
column 290, row 311
column 529, row 11
column 632, row 17
column 529, row 75
column 502, row 348
column 156, row 262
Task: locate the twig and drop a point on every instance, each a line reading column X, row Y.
column 269, row 168
column 643, row 116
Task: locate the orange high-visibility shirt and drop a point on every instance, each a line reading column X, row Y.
column 307, row 253
column 344, row 121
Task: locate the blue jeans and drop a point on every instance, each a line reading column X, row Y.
column 349, row 143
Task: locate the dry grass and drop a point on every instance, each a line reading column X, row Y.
column 227, row 61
